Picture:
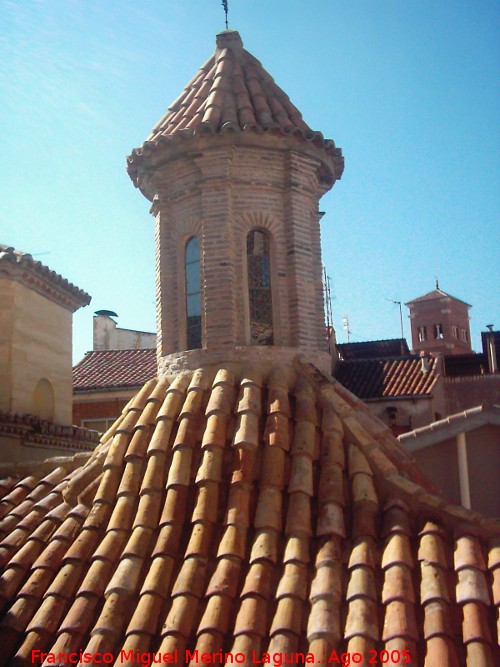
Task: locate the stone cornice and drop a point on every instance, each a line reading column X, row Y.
column 22, row 268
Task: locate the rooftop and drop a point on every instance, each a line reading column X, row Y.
column 233, row 511
column 22, row 267
column 232, row 93
column 114, row 369
column 399, row 377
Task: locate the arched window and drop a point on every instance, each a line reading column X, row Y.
column 259, row 288
column 44, row 400
column 193, row 294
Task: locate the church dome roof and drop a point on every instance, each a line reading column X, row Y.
column 238, row 510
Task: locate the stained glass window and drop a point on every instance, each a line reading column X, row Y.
column 193, row 294
column 259, row 288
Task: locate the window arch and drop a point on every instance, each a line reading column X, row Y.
column 193, row 294
column 44, row 399
column 259, row 288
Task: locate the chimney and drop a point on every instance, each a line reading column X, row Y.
column 424, row 362
column 491, row 349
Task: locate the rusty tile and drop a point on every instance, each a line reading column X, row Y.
column 397, row 550
column 168, row 540
column 269, row 509
column 247, row 430
column 126, row 576
column 161, row 438
column 96, row 578
column 327, row 582
column 214, row 434
column 158, row 577
column 251, row 617
column 332, row 449
column 468, row 553
column 471, row 587
column 66, row 581
column 200, row 540
column 399, row 621
column 432, row 550
column 441, row 651
column 111, row 545
column 272, row 470
column 174, row 507
column 298, row 518
column 181, row 616
column 190, row 579
column 180, row 468
column 361, row 584
column 324, row 621
column 277, row 431
column 217, row 615
column 301, row 476
column 364, row 552
column 237, row 512
column 475, row 623
column 331, row 520
column 265, row 546
column 362, row 619
column 145, row 618
column 210, row 469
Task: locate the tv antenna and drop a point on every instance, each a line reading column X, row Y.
column 398, row 303
column 328, row 300
column 345, row 320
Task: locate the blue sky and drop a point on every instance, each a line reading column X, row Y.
column 409, row 90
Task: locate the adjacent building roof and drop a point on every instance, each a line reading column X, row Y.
column 114, row 369
column 232, row 92
column 374, row 349
column 461, row 422
column 243, row 511
column 400, row 377
column 22, row 267
column 436, row 294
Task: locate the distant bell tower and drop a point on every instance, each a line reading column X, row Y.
column 234, row 176
column 440, row 323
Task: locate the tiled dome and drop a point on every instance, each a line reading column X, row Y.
column 239, row 511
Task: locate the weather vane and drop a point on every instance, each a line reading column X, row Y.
column 224, row 4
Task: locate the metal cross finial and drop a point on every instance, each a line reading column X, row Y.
column 224, row 4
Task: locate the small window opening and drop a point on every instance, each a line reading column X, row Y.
column 438, row 331
column 259, row 288
column 454, row 331
column 422, row 334
column 193, row 294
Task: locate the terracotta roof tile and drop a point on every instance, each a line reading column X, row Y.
column 114, row 369
column 193, row 538
column 388, row 378
column 231, row 92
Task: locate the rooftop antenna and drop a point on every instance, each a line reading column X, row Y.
column 328, row 300
column 347, row 328
column 224, row 4
column 398, row 303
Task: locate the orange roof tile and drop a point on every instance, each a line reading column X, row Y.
column 229, row 511
column 114, row 369
column 389, row 378
column 231, row 92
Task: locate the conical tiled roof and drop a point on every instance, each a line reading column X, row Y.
column 232, row 92
column 245, row 511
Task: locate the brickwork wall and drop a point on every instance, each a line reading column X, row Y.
column 219, row 192
column 448, row 312
column 104, row 409
column 468, row 392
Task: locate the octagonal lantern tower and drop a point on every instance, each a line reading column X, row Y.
column 235, row 175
